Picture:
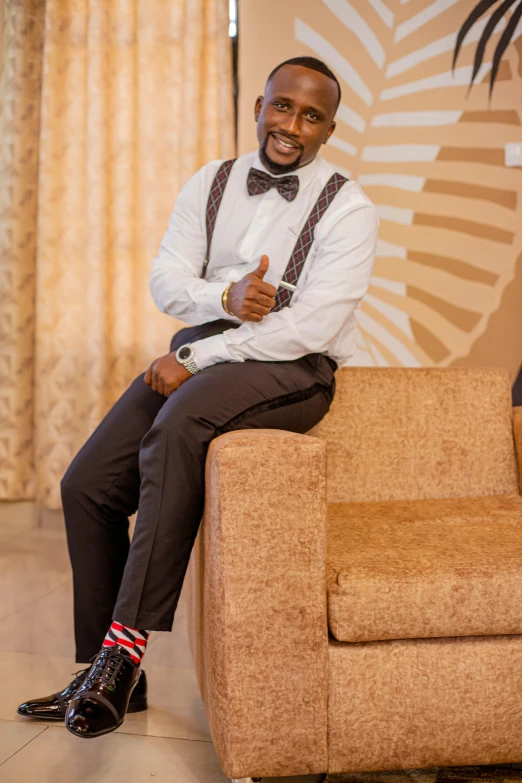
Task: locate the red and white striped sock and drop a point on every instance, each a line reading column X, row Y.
column 133, row 639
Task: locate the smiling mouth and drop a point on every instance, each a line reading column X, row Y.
column 283, row 145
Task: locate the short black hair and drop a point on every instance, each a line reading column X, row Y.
column 315, row 65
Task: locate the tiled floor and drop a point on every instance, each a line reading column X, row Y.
column 169, row 743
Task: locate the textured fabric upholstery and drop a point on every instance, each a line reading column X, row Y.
column 424, row 568
column 260, row 636
column 419, row 703
column 424, row 540
column 517, row 432
column 408, row 434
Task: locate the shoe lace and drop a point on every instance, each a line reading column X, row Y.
column 106, row 668
column 78, row 676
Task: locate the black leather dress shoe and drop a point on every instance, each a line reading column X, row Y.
column 55, row 706
column 100, row 703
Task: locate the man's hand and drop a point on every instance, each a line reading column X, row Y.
column 250, row 299
column 166, row 374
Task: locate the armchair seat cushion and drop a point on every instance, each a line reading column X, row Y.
column 412, row 569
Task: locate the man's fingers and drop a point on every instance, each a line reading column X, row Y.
column 258, row 309
column 165, row 375
column 259, row 288
column 265, row 301
column 266, row 289
column 253, row 317
column 262, row 269
column 155, row 377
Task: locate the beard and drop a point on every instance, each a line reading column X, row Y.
column 277, row 168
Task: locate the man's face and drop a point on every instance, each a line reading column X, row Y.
column 294, row 117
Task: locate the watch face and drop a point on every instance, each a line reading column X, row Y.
column 184, row 353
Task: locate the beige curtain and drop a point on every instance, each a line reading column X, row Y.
column 20, row 89
column 136, row 96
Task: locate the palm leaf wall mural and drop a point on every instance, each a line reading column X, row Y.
column 430, row 154
column 509, row 34
column 502, row 10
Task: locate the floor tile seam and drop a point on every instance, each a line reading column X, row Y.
column 35, row 601
column 25, row 722
column 54, row 727
column 163, row 736
column 43, row 729
column 137, row 734
column 160, row 736
column 157, row 736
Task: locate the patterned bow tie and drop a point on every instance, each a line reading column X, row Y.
column 259, row 182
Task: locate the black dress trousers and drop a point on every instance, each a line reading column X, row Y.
column 148, row 454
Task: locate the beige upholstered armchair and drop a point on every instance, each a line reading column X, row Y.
column 366, row 615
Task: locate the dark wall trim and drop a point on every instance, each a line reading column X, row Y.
column 517, row 389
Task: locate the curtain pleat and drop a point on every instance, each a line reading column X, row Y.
column 21, row 34
column 136, row 96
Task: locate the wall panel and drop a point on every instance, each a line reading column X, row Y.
column 429, row 152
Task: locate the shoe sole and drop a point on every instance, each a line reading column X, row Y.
column 93, row 736
column 137, row 706
column 37, row 717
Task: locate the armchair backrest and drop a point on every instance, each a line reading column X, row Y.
column 407, row 434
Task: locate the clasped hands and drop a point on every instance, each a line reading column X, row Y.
column 250, row 299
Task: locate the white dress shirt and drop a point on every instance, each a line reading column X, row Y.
column 321, row 314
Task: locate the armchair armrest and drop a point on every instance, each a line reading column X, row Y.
column 517, row 433
column 257, row 601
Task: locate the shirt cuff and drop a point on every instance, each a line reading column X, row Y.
column 210, row 299
column 212, row 350
column 211, row 294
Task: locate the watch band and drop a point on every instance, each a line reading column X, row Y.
column 189, row 362
column 191, row 366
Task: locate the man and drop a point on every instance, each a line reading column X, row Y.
column 290, row 245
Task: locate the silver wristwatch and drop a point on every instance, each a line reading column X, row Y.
column 185, row 356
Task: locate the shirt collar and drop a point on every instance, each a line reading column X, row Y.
column 305, row 174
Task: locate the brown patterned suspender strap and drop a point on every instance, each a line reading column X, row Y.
column 306, row 238
column 214, row 200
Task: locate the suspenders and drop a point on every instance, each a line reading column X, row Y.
column 214, row 200
column 304, row 241
column 306, row 238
